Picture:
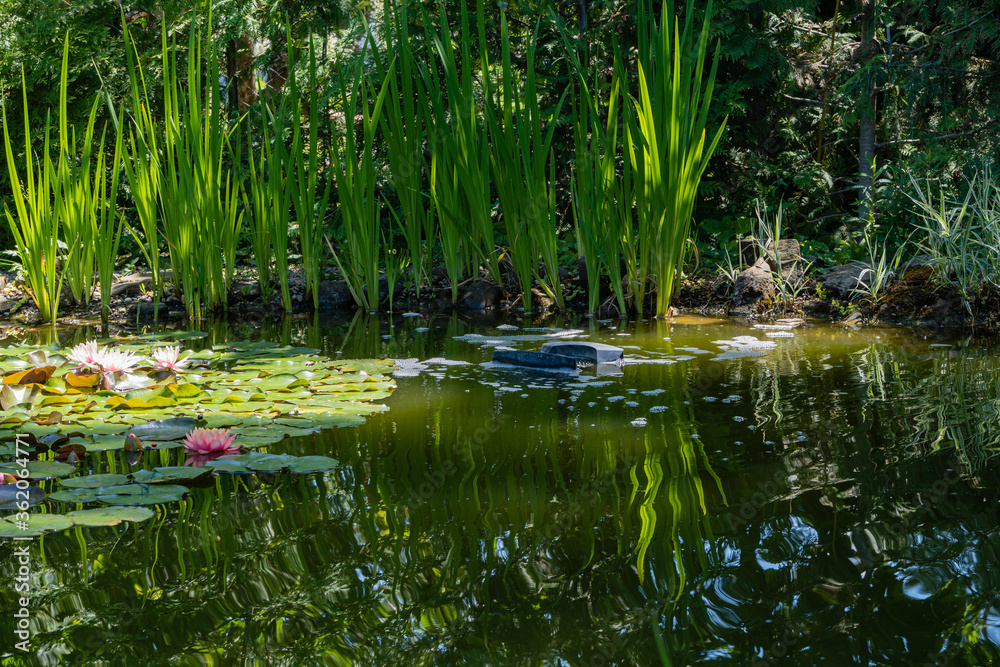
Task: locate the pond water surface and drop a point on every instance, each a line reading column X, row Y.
column 820, row 496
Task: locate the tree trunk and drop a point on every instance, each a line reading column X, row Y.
column 247, row 77
column 866, row 113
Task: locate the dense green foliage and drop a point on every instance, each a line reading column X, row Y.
column 831, row 108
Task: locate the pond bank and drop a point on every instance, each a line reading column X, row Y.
column 915, row 299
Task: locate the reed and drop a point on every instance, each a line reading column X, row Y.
column 667, row 141
column 602, row 198
column 360, row 209
column 460, row 155
column 309, row 204
column 176, row 168
column 109, row 223
column 34, row 223
column 522, row 168
column 402, row 126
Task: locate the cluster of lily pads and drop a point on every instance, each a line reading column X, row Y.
column 99, row 397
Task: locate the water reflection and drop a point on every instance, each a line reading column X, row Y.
column 826, row 502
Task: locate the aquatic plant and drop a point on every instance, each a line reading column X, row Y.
column 602, row 198
column 521, row 163
column 402, row 125
column 36, row 225
column 460, row 155
column 666, row 128
column 166, row 359
column 85, row 355
column 198, row 201
column 360, row 214
column 253, row 394
column 210, row 441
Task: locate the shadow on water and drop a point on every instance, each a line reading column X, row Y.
column 828, row 502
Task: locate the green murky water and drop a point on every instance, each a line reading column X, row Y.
column 830, row 501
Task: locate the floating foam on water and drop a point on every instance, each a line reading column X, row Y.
column 639, row 421
column 615, row 399
column 506, row 327
column 421, row 329
column 737, row 418
column 632, row 404
column 776, row 327
column 692, row 350
column 709, row 399
column 492, row 341
column 738, row 354
column 780, row 334
column 683, row 357
column 653, row 392
column 631, row 361
column 441, row 361
column 658, row 408
column 411, row 314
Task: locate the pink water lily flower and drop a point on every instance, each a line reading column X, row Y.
column 210, row 441
column 165, row 359
column 117, row 361
column 7, row 479
column 85, row 355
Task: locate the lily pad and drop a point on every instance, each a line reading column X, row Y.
column 75, row 496
column 164, row 429
column 37, row 524
column 310, row 464
column 142, row 494
column 170, row 475
column 110, row 516
column 10, row 496
column 227, row 467
column 41, row 469
column 94, row 481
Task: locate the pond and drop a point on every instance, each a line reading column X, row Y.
column 730, row 495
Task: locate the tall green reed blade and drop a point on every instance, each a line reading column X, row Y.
column 402, row 126
column 109, row 223
column 667, row 142
column 77, row 208
column 35, row 227
column 460, row 153
column 143, row 166
column 601, row 200
column 522, row 169
column 358, row 205
column 310, row 207
column 62, row 196
column 445, row 191
column 201, row 222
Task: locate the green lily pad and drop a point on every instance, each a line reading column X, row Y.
column 142, row 494
column 75, row 495
column 310, row 464
column 223, row 466
column 37, row 524
column 41, row 469
column 164, row 429
column 10, row 496
column 94, row 481
column 170, row 475
column 110, row 516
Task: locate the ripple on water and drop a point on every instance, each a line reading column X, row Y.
column 786, row 541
